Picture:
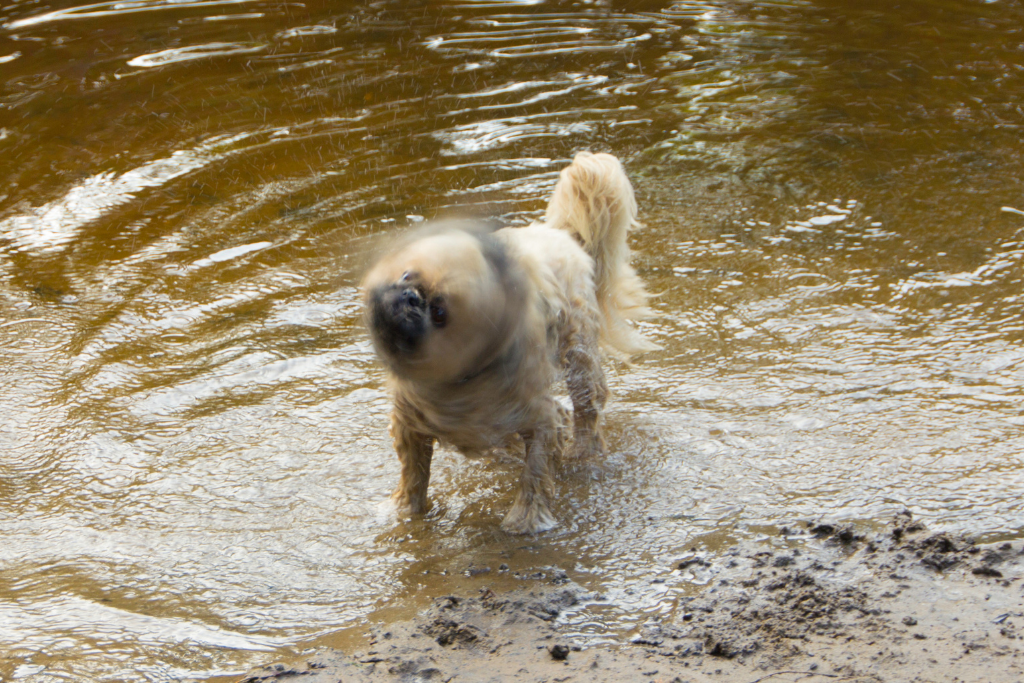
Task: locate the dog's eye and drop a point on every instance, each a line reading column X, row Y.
column 438, row 313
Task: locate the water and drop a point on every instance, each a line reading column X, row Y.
column 193, row 443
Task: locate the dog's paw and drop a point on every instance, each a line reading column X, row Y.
column 584, row 446
column 406, row 506
column 528, row 519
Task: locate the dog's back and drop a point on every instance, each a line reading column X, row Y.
column 593, row 201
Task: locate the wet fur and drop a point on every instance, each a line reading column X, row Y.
column 475, row 328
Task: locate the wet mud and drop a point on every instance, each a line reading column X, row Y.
column 828, row 603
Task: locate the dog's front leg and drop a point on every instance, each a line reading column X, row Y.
column 531, row 511
column 415, row 451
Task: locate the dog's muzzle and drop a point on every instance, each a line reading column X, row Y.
column 399, row 318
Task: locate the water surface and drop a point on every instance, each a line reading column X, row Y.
column 193, row 446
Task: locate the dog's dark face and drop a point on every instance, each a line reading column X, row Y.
column 442, row 304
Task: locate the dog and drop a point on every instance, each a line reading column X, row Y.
column 476, row 326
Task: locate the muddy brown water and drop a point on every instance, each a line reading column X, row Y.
column 193, row 448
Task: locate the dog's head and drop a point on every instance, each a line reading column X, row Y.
column 443, row 304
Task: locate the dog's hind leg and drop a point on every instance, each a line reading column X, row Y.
column 563, row 431
column 581, row 359
column 531, row 512
column 415, row 451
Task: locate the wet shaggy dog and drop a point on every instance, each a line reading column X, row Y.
column 475, row 327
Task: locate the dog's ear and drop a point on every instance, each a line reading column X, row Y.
column 444, row 305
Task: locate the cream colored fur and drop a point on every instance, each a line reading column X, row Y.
column 510, row 312
column 594, row 202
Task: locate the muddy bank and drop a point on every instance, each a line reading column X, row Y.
column 903, row 604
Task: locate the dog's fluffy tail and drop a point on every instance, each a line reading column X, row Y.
column 594, row 202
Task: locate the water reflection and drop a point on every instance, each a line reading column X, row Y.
column 193, row 445
column 185, row 54
column 111, row 9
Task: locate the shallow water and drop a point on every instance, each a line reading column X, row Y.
column 193, row 444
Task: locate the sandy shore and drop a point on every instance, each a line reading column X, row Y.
column 900, row 605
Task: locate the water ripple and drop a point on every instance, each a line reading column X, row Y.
column 114, row 8
column 53, row 226
column 193, row 52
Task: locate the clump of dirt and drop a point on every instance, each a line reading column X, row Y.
column 559, row 652
column 454, row 621
column 910, row 543
column 844, row 535
column 766, row 611
column 938, row 551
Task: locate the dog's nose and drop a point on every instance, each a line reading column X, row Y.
column 410, row 297
column 398, row 319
